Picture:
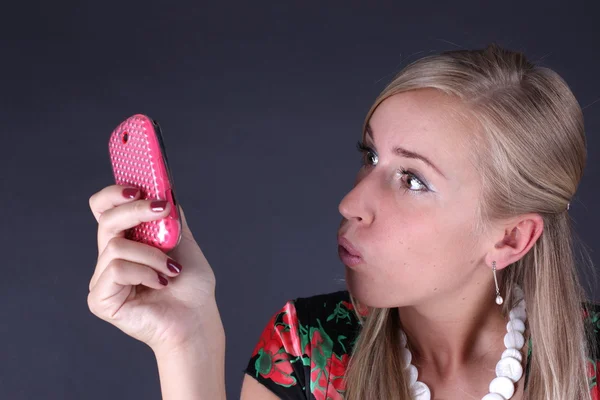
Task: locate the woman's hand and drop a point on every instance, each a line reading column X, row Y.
column 125, row 289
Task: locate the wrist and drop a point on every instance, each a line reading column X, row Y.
column 207, row 337
column 194, row 371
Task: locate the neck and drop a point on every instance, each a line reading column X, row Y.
column 455, row 329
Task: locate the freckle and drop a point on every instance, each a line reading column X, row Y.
column 464, row 298
column 434, row 289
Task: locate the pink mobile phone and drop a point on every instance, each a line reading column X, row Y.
column 139, row 159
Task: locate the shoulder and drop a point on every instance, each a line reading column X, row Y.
column 328, row 312
column 329, row 329
column 324, row 320
column 591, row 306
column 317, row 308
column 332, row 313
column 320, row 327
column 305, row 347
column 591, row 317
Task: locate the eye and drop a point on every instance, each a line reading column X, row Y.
column 368, row 153
column 412, row 178
column 365, row 151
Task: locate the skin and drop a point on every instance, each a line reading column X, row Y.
column 418, row 248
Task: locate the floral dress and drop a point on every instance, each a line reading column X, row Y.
column 304, row 349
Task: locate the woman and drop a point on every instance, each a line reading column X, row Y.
column 457, row 242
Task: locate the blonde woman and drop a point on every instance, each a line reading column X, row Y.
column 461, row 276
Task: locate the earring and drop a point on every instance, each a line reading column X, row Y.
column 499, row 299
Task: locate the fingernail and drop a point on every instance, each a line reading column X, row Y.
column 158, row 205
column 163, row 281
column 130, row 193
column 173, row 266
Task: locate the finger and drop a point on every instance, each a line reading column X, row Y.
column 110, row 197
column 115, row 285
column 115, row 221
column 136, row 252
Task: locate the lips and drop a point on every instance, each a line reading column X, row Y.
column 345, row 243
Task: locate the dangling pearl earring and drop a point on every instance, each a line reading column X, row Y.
column 499, row 299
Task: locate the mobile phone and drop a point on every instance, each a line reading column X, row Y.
column 139, row 159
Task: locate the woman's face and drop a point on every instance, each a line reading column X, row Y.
column 414, row 229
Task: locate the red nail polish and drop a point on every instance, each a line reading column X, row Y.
column 158, row 205
column 163, row 281
column 173, row 266
column 130, row 193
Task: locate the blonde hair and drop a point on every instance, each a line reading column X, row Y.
column 530, row 150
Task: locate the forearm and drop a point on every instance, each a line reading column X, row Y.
column 196, row 371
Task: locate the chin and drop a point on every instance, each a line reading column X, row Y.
column 376, row 294
column 367, row 295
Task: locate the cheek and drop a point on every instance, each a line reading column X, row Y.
column 406, row 244
column 414, row 258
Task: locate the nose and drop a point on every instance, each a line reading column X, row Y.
column 354, row 205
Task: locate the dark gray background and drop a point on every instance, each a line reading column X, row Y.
column 261, row 106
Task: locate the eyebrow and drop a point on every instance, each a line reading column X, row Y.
column 402, row 152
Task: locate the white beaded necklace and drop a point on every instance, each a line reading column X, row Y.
column 508, row 370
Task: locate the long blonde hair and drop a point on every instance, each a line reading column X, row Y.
column 530, row 149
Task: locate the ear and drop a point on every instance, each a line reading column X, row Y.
column 516, row 239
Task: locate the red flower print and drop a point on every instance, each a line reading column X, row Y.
column 332, row 378
column 288, row 330
column 321, row 354
column 316, row 352
column 275, row 343
column 592, row 374
column 337, row 370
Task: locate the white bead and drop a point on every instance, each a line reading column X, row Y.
column 518, row 313
column 510, row 368
column 504, row 386
column 499, row 300
column 514, row 339
column 493, row 396
column 514, row 353
column 413, row 374
column 520, row 304
column 515, row 325
column 402, row 338
column 420, row 391
column 406, row 357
